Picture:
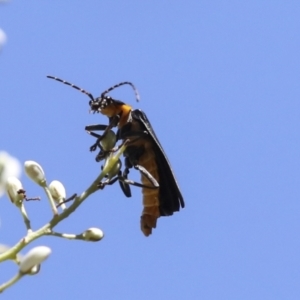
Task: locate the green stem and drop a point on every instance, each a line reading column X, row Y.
column 10, row 282
column 68, row 236
column 51, row 201
column 25, row 218
column 47, row 228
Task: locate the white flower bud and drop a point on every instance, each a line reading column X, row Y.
column 93, row 234
column 35, row 172
column 14, row 190
column 9, row 166
column 2, row 38
column 33, row 258
column 108, row 141
column 57, row 190
column 3, row 248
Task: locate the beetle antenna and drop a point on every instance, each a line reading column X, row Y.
column 137, row 96
column 72, row 85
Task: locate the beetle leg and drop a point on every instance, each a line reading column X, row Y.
column 150, row 178
column 102, row 184
column 113, row 122
column 126, row 138
column 96, row 127
column 124, row 186
column 98, row 136
column 123, row 183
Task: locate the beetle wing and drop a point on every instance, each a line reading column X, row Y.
column 170, row 197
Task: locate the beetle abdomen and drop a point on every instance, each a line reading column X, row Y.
column 150, row 212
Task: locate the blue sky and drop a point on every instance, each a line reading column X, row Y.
column 219, row 81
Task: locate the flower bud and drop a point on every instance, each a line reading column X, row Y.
column 57, row 190
column 2, row 38
column 35, row 172
column 115, row 169
column 14, row 190
column 93, row 234
column 9, row 166
column 108, row 141
column 30, row 261
column 3, row 248
column 34, row 270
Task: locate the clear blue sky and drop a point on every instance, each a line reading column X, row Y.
column 220, row 82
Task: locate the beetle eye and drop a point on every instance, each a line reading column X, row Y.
column 108, row 100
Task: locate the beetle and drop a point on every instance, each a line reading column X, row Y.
column 143, row 152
